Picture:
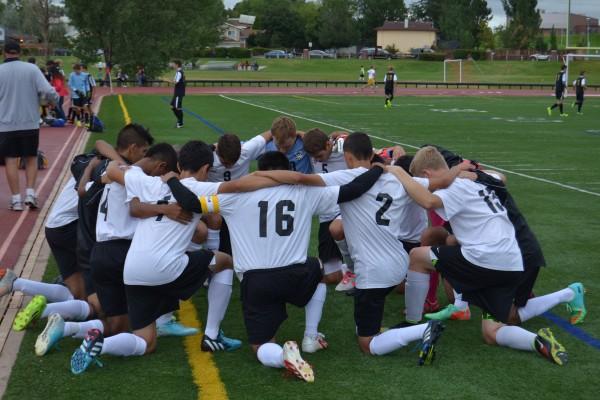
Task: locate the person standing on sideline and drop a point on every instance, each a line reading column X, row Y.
column 580, row 85
column 560, row 85
column 361, row 76
column 22, row 88
column 178, row 93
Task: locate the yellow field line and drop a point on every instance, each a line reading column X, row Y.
column 205, row 372
column 125, row 112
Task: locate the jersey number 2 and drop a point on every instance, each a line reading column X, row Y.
column 284, row 223
column 387, row 202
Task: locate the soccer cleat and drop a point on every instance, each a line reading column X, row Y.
column 564, row 115
column 31, row 201
column 348, row 282
column 295, row 364
column 16, row 205
column 450, row 312
column 221, row 343
column 549, row 111
column 573, row 105
column 547, row 345
column 78, row 124
column 312, row 345
column 87, row 353
column 432, row 333
column 51, row 335
column 579, row 113
column 7, row 278
column 179, row 126
column 576, row 307
column 31, row 313
column 174, row 328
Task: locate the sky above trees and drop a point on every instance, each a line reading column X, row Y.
column 587, row 7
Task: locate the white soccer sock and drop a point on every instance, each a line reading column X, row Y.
column 394, row 339
column 459, row 302
column 164, row 319
column 314, row 310
column 73, row 310
column 332, row 266
column 219, row 293
column 539, row 305
column 343, row 246
column 417, row 286
column 30, row 191
column 78, row 330
column 270, row 355
column 51, row 291
column 124, row 344
column 213, row 239
column 515, row 338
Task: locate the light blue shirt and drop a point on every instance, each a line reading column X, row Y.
column 299, row 159
column 78, row 82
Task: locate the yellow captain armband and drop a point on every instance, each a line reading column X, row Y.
column 209, row 204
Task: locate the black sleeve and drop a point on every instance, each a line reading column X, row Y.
column 360, row 185
column 184, row 196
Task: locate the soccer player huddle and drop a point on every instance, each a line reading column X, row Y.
column 140, row 227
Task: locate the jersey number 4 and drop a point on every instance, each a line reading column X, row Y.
column 104, row 205
column 284, row 223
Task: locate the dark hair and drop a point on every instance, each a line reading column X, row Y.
column 194, row 155
column 315, row 141
column 229, row 148
column 563, row 67
column 12, row 47
column 359, row 145
column 31, row 60
column 177, row 62
column 404, row 162
column 76, row 66
column 273, row 160
column 133, row 134
column 164, row 152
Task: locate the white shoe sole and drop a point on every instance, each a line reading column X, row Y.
column 295, row 364
column 42, row 343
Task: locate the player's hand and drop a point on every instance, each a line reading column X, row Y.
column 466, row 165
column 94, row 162
column 174, row 212
column 165, row 178
column 468, row 175
column 398, row 152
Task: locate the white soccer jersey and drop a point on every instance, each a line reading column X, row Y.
column 157, row 253
column 374, row 224
column 371, row 73
column 481, row 225
column 251, row 150
column 114, row 220
column 64, row 209
column 270, row 228
column 335, row 162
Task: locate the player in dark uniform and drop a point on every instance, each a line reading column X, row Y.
column 580, row 85
column 389, row 80
column 178, row 93
column 559, row 87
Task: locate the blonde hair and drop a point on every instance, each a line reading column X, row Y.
column 427, row 158
column 283, row 127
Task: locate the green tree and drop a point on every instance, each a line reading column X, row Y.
column 40, row 19
column 309, row 13
column 523, row 22
column 282, row 25
column 373, row 13
column 336, row 24
column 553, row 39
column 137, row 32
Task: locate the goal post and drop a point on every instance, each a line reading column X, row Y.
column 460, row 69
column 568, row 58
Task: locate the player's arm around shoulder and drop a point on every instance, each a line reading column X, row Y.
column 291, row 178
column 446, row 180
column 418, row 193
column 116, row 172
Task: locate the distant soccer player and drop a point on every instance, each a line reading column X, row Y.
column 178, row 93
column 580, row 85
column 361, row 76
column 371, row 82
column 390, row 79
column 560, row 85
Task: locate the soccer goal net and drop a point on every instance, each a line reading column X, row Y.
column 582, row 61
column 460, row 69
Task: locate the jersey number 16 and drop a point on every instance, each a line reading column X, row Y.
column 284, row 223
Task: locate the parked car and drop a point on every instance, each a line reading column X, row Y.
column 319, row 54
column 372, row 52
column 278, row 54
column 539, row 57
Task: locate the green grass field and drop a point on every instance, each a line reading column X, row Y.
column 513, row 134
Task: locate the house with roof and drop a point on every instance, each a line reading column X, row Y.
column 235, row 31
column 406, row 35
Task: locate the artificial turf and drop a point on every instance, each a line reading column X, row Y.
column 510, row 133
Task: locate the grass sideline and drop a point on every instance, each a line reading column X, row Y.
column 512, row 133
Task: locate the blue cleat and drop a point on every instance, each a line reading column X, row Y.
column 221, row 343
column 174, row 328
column 88, row 352
column 51, row 335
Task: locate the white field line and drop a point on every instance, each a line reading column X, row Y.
column 535, row 178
